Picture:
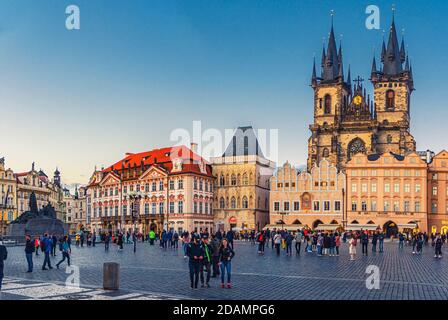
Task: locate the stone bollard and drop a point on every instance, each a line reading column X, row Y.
column 111, row 276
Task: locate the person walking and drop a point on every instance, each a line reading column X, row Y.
column 36, row 245
column 420, row 241
column 47, row 245
column 195, row 252
column 3, row 257
column 352, row 247
column 438, row 246
column 400, row 241
column 206, row 262
column 332, row 244
column 29, row 250
column 93, row 238
column 176, row 240
column 261, row 241
column 320, row 244
column 299, row 239
column 337, row 243
column 215, row 244
column 288, row 241
column 364, row 243
column 381, row 237
column 65, row 252
column 106, row 242
column 277, row 242
column 120, row 241
column 414, row 243
column 374, row 241
column 152, row 237
column 226, row 255
column 54, row 239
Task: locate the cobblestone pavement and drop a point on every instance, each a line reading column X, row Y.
column 153, row 273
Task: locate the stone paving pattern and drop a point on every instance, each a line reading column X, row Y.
column 153, row 273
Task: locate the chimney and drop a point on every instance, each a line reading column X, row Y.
column 194, row 147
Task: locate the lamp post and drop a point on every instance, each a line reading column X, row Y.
column 135, row 198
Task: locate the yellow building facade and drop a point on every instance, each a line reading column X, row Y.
column 438, row 193
column 8, row 196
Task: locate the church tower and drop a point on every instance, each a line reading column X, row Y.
column 393, row 86
column 331, row 93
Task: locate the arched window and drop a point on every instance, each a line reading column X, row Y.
column 233, row 203
column 246, row 145
column 390, row 99
column 327, row 108
column 221, row 203
column 245, row 180
column 222, row 181
column 233, row 181
column 325, row 153
column 356, row 146
column 389, row 138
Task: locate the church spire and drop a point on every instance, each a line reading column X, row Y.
column 392, row 64
column 331, row 64
column 313, row 76
column 374, row 72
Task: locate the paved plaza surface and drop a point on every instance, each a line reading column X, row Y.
column 153, row 273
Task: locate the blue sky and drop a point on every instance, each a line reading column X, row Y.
column 139, row 69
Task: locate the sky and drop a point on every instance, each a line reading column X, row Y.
column 137, row 70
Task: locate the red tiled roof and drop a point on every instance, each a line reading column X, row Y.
column 163, row 159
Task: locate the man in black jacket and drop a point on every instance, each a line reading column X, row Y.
column 206, row 262
column 29, row 250
column 3, row 256
column 195, row 252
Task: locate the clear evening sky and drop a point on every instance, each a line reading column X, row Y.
column 139, row 69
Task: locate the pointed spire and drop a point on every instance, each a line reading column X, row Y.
column 349, row 77
column 331, row 61
column 383, row 52
column 406, row 67
column 374, row 70
column 314, row 77
column 402, row 51
column 392, row 58
column 324, row 57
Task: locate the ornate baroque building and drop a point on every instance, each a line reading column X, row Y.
column 8, row 196
column 242, row 183
column 347, row 121
column 303, row 199
column 75, row 209
column 47, row 191
column 168, row 188
column 438, row 193
column 387, row 191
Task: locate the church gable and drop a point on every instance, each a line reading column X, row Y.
column 154, row 172
column 110, row 179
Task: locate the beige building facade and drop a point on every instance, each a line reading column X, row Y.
column 305, row 199
column 242, row 184
column 438, row 193
column 388, row 192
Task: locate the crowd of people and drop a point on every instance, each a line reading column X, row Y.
column 210, row 255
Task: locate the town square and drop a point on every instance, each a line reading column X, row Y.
column 325, row 167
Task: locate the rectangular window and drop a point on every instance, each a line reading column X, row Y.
column 154, row 187
column 407, row 206
column 147, row 187
column 161, row 207
column 373, row 205
column 407, row 188
column 386, row 206
column 364, row 206
column 200, row 207
column 396, row 187
column 180, row 184
column 286, row 206
column 125, row 209
column 154, row 208
column 337, row 205
column 316, row 205
column 364, row 187
column 206, row 208
column 374, row 187
column 146, row 208
column 276, row 206
column 171, row 185
column 417, row 188
column 171, row 207
column 195, row 207
column 387, row 187
column 434, row 207
column 125, row 189
column 180, row 207
column 326, row 205
column 195, row 184
column 396, row 206
column 434, row 191
column 296, row 206
column 354, row 187
column 161, row 186
column 417, row 206
column 106, row 211
column 354, row 206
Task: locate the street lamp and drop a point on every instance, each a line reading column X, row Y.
column 135, row 198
